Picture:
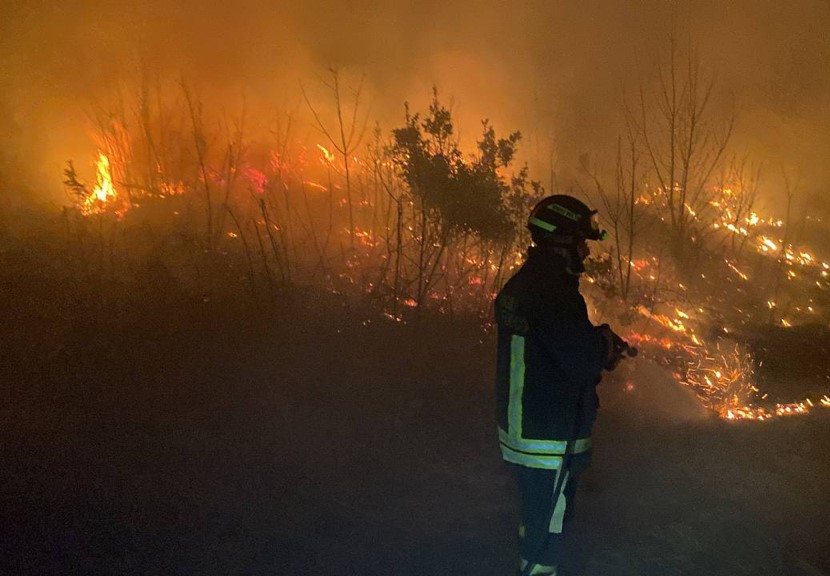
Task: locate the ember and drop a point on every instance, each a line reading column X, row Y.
column 389, row 221
column 392, row 243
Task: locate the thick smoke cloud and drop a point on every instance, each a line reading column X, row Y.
column 558, row 71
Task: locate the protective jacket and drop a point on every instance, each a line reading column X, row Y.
column 550, row 358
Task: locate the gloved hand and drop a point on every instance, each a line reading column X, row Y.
column 616, row 346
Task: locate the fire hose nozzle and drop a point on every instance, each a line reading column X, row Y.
column 619, row 347
column 622, row 348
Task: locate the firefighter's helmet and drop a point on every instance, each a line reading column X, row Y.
column 564, row 219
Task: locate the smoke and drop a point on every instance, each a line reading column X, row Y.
column 557, row 71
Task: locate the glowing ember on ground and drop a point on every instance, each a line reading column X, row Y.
column 736, row 271
column 721, row 375
column 682, row 322
column 767, row 244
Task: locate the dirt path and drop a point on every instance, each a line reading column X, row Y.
column 338, row 447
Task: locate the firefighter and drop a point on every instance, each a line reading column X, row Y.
column 550, row 358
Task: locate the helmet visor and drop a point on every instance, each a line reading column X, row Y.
column 595, row 232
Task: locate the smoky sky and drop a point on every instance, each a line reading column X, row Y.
column 556, row 70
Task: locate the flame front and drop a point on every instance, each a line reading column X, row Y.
column 693, row 331
column 104, row 192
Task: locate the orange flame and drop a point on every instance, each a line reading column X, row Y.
column 104, row 192
column 328, row 156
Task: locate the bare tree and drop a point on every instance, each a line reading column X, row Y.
column 620, row 207
column 194, row 108
column 349, row 132
column 232, row 161
column 780, row 268
column 684, row 149
column 737, row 194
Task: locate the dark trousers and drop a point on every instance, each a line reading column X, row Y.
column 545, row 514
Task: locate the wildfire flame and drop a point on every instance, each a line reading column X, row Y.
column 720, row 371
column 104, row 192
column 328, row 156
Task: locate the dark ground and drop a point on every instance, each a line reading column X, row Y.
column 203, row 438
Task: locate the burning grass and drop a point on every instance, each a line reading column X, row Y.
column 263, row 216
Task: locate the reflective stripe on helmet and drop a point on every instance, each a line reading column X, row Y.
column 570, row 215
column 541, row 224
column 578, row 225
